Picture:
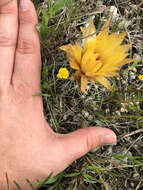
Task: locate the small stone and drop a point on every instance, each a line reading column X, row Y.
column 135, row 175
column 123, row 110
column 113, row 10
column 85, row 113
column 134, row 69
column 118, row 113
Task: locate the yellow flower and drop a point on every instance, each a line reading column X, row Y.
column 100, row 56
column 63, row 73
column 140, row 77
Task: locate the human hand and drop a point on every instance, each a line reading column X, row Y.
column 29, row 147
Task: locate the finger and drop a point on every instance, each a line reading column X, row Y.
column 80, row 142
column 27, row 67
column 8, row 38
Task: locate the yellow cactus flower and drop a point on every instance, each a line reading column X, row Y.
column 100, row 55
column 63, row 73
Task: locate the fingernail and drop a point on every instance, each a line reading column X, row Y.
column 109, row 139
column 24, row 5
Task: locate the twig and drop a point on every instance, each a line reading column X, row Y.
column 133, row 133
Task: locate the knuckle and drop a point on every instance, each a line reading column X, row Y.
column 6, row 41
column 22, row 91
column 88, row 143
column 21, row 86
column 26, row 46
column 90, row 140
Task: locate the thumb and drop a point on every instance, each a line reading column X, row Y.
column 80, row 142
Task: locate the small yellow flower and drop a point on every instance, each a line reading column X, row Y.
column 63, row 73
column 100, row 56
column 140, row 77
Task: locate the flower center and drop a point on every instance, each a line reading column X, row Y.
column 63, row 73
column 90, row 63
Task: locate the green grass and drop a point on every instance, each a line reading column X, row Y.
column 118, row 167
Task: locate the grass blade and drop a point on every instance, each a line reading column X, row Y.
column 18, row 187
column 58, row 6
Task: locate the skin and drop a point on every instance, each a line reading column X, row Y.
column 28, row 146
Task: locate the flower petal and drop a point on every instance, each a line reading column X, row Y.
column 126, row 61
column 73, row 63
column 107, row 72
column 83, row 84
column 115, row 40
column 103, row 81
column 107, row 24
column 74, row 53
column 88, row 62
column 95, row 69
column 89, row 31
column 109, row 44
column 89, row 34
